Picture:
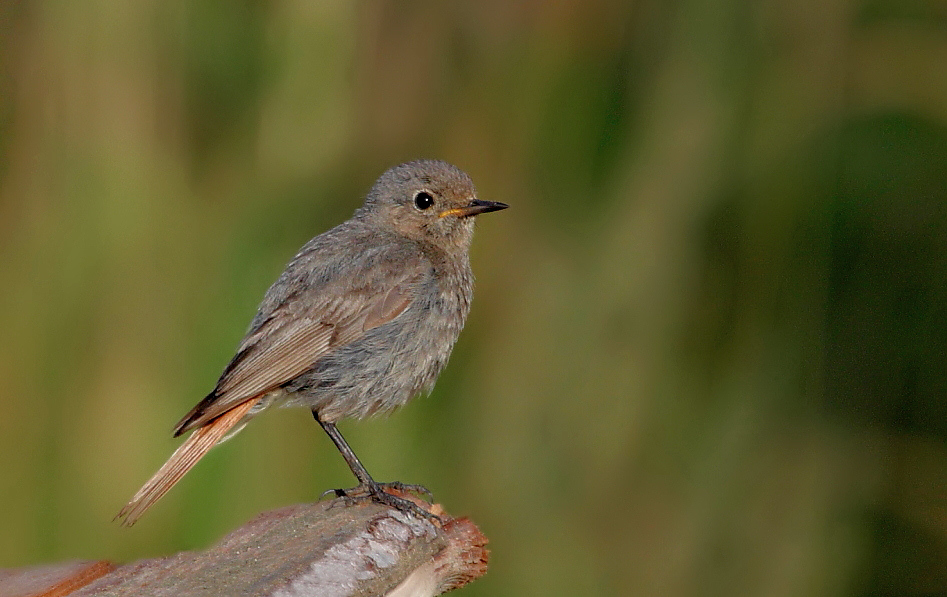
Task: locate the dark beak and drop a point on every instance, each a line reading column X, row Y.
column 475, row 208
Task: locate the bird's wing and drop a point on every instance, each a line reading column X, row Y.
column 297, row 334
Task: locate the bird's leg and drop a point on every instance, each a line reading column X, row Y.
column 368, row 487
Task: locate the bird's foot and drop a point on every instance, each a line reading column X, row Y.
column 364, row 490
column 386, row 494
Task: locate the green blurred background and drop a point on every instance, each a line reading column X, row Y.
column 708, row 351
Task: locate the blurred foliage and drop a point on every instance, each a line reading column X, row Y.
column 708, row 353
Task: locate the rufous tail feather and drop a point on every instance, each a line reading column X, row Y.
column 186, row 456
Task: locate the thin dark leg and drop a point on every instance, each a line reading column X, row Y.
column 367, row 486
column 350, row 458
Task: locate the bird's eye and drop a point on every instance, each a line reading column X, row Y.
column 423, row 200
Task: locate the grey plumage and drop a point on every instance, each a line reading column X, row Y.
column 362, row 319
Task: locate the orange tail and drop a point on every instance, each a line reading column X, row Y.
column 193, row 449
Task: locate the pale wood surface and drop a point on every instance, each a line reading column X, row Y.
column 325, row 549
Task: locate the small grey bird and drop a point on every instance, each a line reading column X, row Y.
column 363, row 318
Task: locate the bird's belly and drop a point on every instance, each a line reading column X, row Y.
column 382, row 370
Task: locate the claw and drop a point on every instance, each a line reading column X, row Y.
column 338, row 493
column 379, row 493
column 400, row 487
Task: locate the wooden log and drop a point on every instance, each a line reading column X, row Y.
column 51, row 580
column 320, row 549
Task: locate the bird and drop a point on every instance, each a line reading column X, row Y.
column 362, row 319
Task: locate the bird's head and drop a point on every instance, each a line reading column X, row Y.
column 428, row 201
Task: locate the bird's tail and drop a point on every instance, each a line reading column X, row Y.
column 186, row 456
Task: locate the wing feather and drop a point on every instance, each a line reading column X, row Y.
column 294, row 337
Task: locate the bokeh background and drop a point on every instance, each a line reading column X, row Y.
column 708, row 350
